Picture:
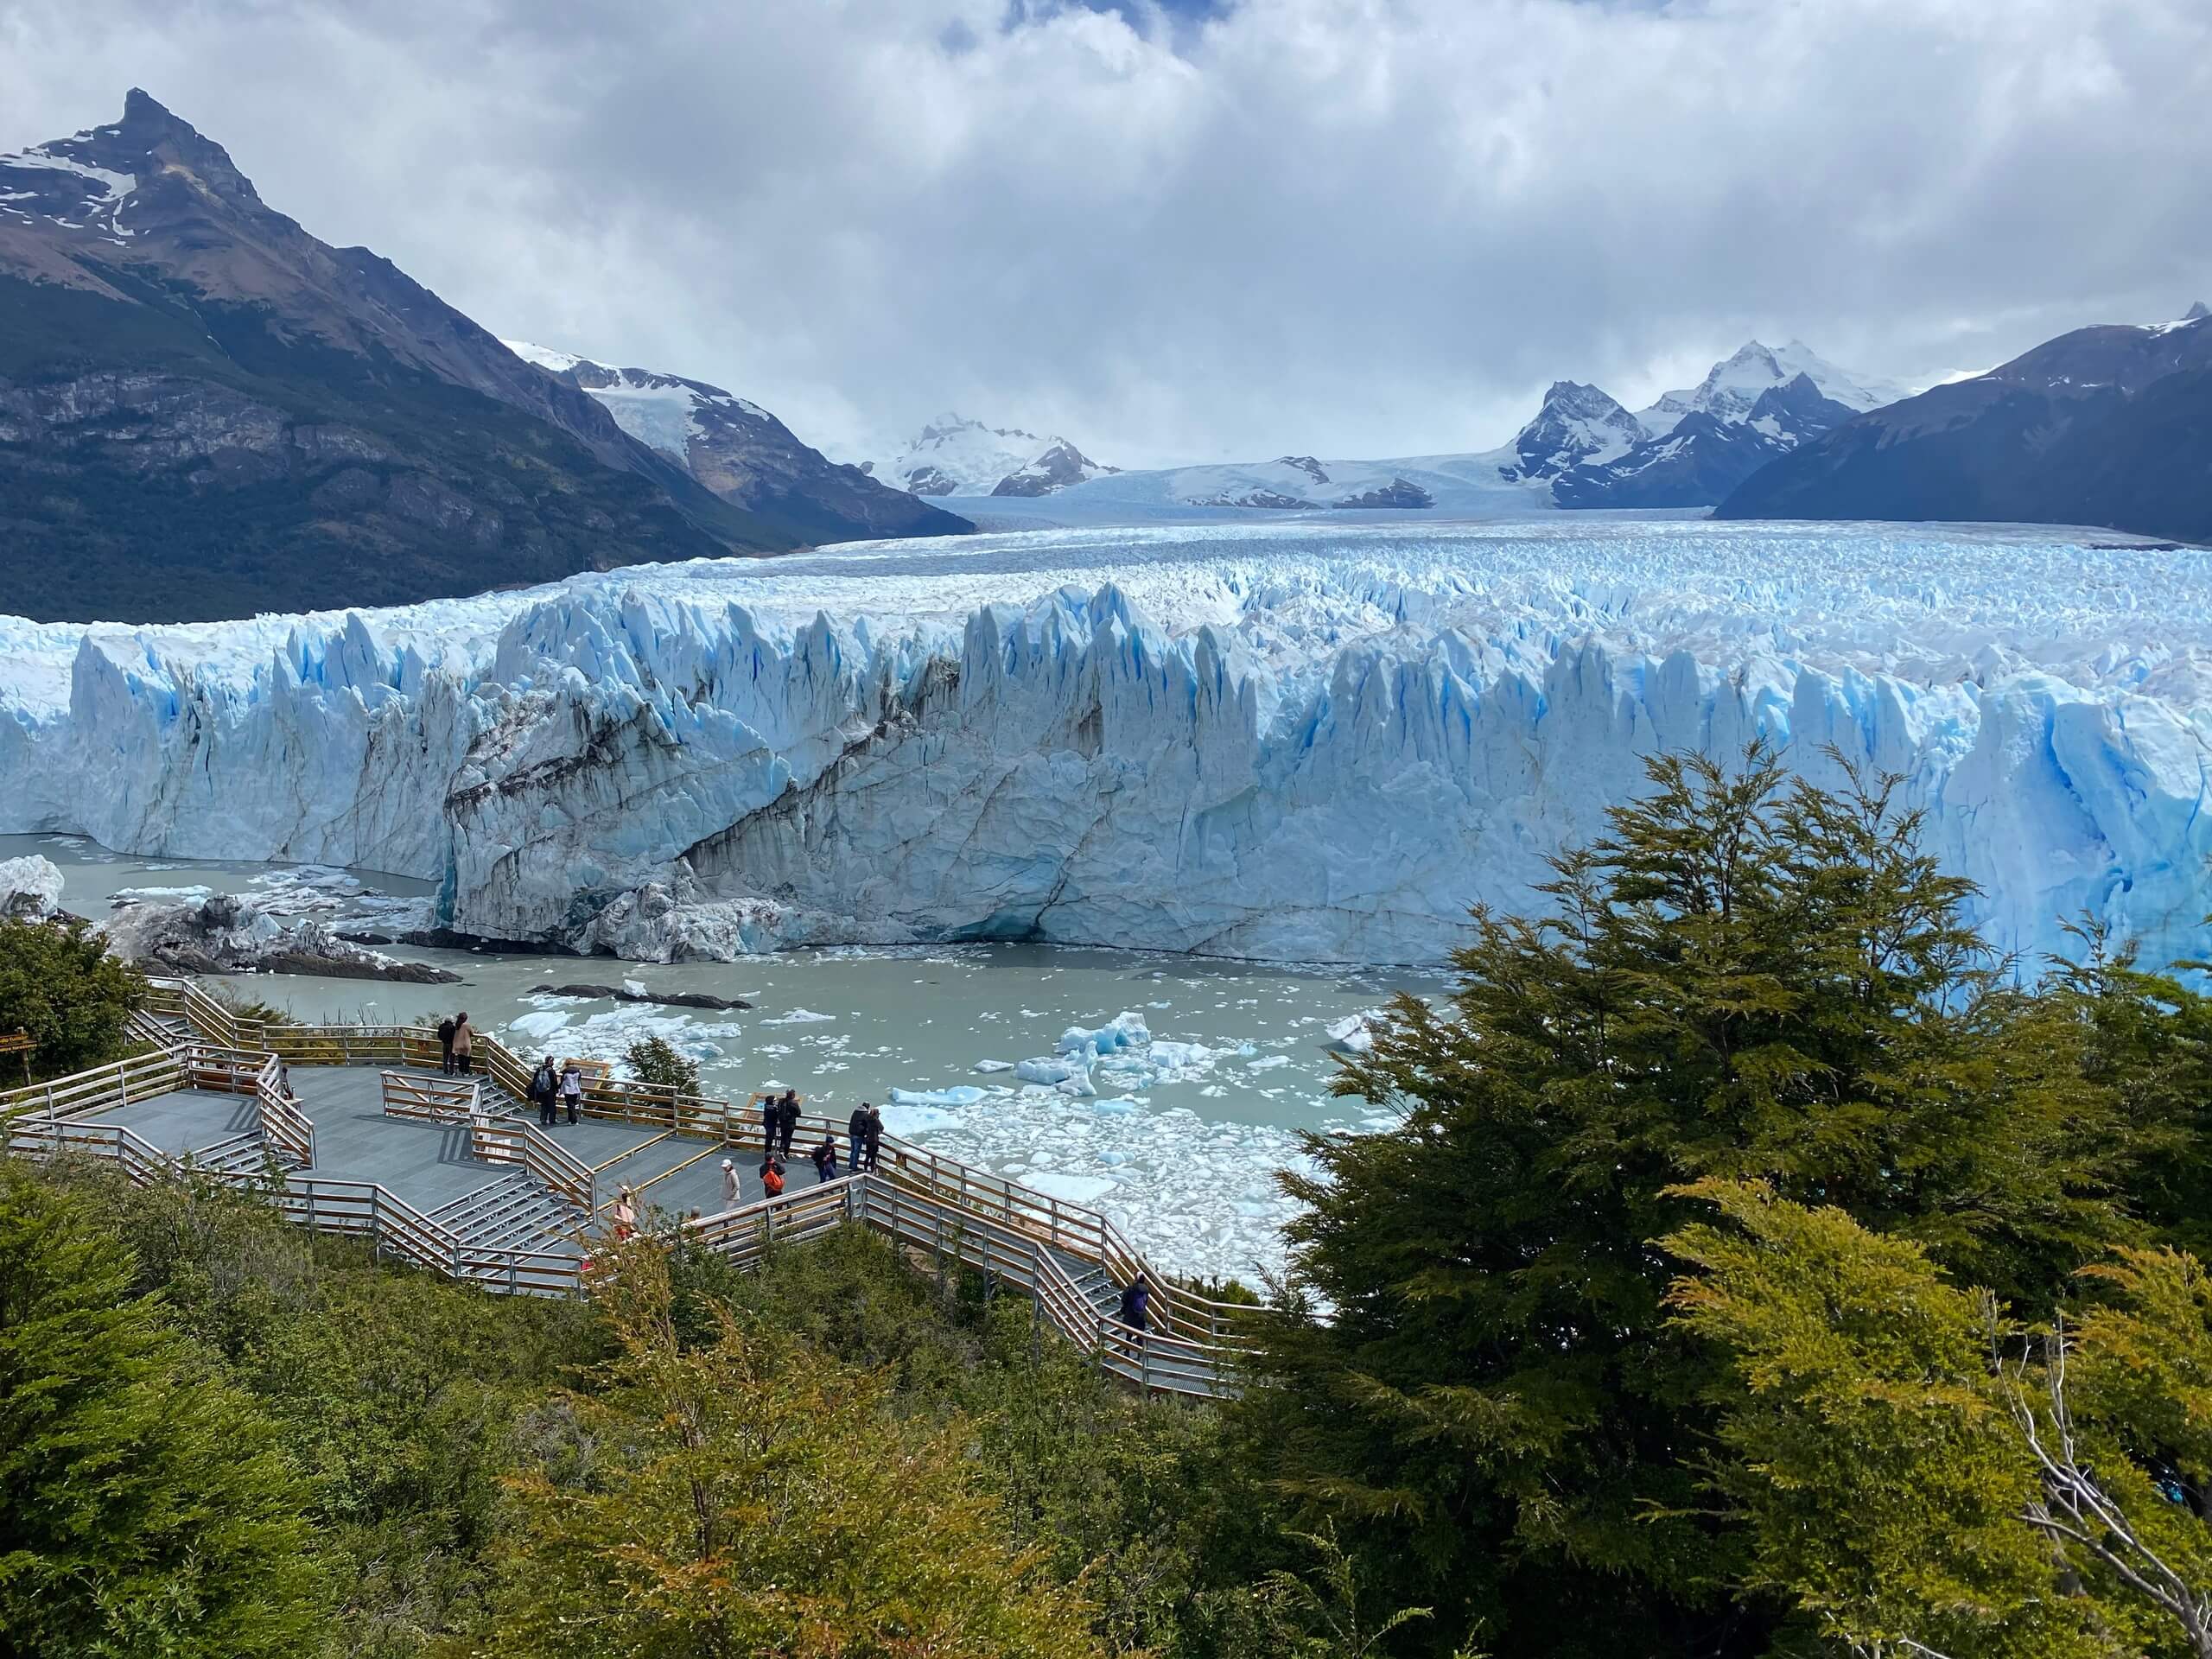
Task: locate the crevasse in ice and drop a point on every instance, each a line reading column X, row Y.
column 1308, row 741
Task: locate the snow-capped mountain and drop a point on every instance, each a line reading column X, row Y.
column 1699, row 444
column 954, row 455
column 2109, row 425
column 206, row 411
column 743, row 454
column 1582, row 449
column 1577, row 425
column 1704, row 455
column 1735, row 382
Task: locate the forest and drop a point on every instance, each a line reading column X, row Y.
column 1760, row 1264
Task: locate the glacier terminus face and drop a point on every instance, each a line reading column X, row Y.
column 1308, row 741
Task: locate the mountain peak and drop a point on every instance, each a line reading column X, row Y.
column 2196, row 312
column 152, row 140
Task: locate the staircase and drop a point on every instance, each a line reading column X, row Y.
column 243, row 1157
column 1100, row 1291
column 515, row 1212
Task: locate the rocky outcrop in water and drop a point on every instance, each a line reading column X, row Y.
column 229, row 934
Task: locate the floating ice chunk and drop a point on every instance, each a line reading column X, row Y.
column 1048, row 1070
column 1177, row 1057
column 1072, row 1189
column 1122, row 1031
column 988, row 1066
column 960, row 1095
column 635, row 987
column 1078, row 1086
column 1354, row 1035
column 1266, row 1063
column 1114, row 1106
column 537, row 1026
column 910, row 1119
column 30, row 886
column 192, row 895
column 800, row 1017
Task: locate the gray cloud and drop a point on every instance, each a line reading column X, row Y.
column 1341, row 226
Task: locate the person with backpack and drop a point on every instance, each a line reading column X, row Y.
column 1135, row 1300
column 545, row 1089
column 875, row 1144
column 445, row 1045
column 572, row 1087
column 464, row 1042
column 856, row 1138
column 825, row 1158
column 772, row 1177
column 786, row 1122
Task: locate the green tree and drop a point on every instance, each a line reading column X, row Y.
column 748, row 1497
column 2147, row 1041
column 142, row 1510
column 1918, row 1476
column 59, row 983
column 655, row 1060
column 1745, row 979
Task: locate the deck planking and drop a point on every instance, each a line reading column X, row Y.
column 428, row 1165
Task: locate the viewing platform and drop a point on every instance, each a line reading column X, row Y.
column 355, row 1129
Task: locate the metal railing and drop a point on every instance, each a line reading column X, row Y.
column 497, row 1139
column 288, row 1131
column 442, row 1100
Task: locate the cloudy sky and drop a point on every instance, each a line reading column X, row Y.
column 1215, row 229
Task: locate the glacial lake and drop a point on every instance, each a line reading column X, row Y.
column 1179, row 1145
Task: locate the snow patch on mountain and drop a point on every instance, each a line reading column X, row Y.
column 1734, row 384
column 954, row 455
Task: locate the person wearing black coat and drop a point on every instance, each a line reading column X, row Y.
column 545, row 1089
column 445, row 1045
column 786, row 1122
column 875, row 1135
column 856, row 1138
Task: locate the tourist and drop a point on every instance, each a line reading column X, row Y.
column 463, row 1042
column 572, row 1087
column 875, row 1135
column 729, row 1185
column 545, row 1089
column 624, row 1215
column 1133, row 1301
column 445, row 1045
column 770, row 1108
column 772, row 1177
column 786, row 1122
column 825, row 1158
column 856, row 1138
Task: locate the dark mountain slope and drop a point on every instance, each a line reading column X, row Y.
column 205, row 412
column 2110, row 425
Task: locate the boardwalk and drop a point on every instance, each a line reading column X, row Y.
column 363, row 1137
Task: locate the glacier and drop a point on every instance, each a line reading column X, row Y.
column 1315, row 742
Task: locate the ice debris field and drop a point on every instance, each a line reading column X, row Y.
column 1313, row 742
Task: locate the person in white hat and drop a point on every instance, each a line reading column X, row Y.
column 729, row 1185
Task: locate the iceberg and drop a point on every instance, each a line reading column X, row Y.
column 1313, row 742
